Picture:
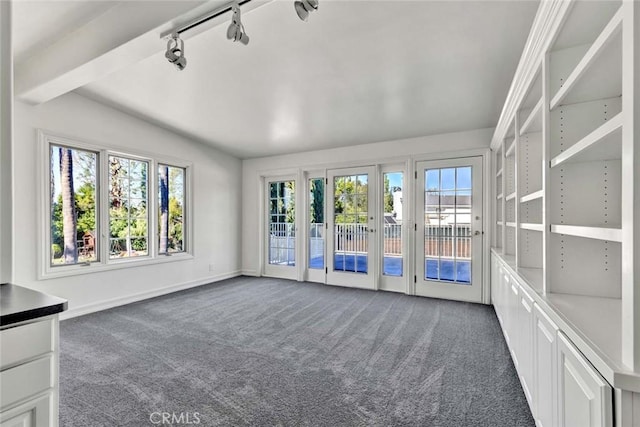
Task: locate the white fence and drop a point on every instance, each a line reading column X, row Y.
column 444, row 241
column 282, row 243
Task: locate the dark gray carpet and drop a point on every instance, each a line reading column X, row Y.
column 265, row 352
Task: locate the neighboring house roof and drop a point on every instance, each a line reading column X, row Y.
column 447, row 200
column 389, row 219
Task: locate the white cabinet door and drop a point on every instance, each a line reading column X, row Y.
column 525, row 345
column 584, row 397
column 513, row 325
column 505, row 291
column 496, row 289
column 545, row 369
column 38, row 412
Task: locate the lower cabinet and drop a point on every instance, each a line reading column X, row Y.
column 545, row 334
column 29, row 374
column 36, row 412
column 585, row 398
column 563, row 389
column 525, row 344
column 512, row 324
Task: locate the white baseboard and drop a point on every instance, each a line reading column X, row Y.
column 253, row 273
column 104, row 305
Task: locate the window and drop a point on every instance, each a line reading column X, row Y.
column 128, row 219
column 73, row 214
column 392, row 199
column 100, row 208
column 170, row 209
column 316, row 223
column 282, row 236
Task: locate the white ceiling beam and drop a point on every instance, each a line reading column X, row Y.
column 124, row 35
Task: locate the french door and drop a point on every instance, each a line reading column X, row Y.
column 351, row 224
column 280, row 243
column 449, row 229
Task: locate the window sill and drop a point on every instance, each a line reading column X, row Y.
column 111, row 265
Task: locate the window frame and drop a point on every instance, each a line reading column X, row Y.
column 47, row 271
column 186, row 208
column 107, row 231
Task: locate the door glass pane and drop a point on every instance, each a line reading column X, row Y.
column 392, row 199
column 350, row 243
column 447, row 229
column 316, row 223
column 282, row 238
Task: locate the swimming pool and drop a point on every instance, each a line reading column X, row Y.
column 447, row 270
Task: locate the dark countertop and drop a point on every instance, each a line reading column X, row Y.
column 18, row 304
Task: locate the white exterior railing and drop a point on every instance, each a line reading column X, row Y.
column 443, row 241
column 282, row 243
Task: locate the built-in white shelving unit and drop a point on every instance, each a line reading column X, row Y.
column 567, row 167
column 532, row 196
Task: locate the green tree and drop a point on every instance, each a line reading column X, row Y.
column 69, row 218
column 317, row 204
column 86, row 209
column 388, row 196
column 350, row 200
column 163, row 177
column 290, row 201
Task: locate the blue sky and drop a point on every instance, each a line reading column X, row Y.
column 445, row 179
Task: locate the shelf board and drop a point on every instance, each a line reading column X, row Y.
column 499, row 173
column 511, row 196
column 584, row 22
column 511, row 224
column 532, row 196
column 511, row 149
column 500, row 223
column 604, row 143
column 534, row 277
column 499, row 196
column 596, row 320
column 599, row 233
column 533, row 123
column 594, row 53
column 531, row 226
column 509, row 259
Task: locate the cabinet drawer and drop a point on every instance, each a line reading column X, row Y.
column 25, row 342
column 25, row 380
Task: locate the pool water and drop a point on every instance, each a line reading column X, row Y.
column 447, row 270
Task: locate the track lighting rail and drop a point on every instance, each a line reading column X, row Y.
column 235, row 31
column 183, row 28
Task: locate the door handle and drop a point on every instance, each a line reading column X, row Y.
column 477, row 233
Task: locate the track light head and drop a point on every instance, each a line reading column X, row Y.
column 304, row 7
column 175, row 52
column 236, row 30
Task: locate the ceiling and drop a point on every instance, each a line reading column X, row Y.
column 357, row 72
column 37, row 23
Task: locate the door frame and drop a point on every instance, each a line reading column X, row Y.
column 445, row 290
column 273, row 270
column 368, row 280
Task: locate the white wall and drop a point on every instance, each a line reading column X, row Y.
column 6, row 119
column 216, row 196
column 421, row 148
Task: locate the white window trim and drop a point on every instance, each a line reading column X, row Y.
column 186, row 225
column 47, row 271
